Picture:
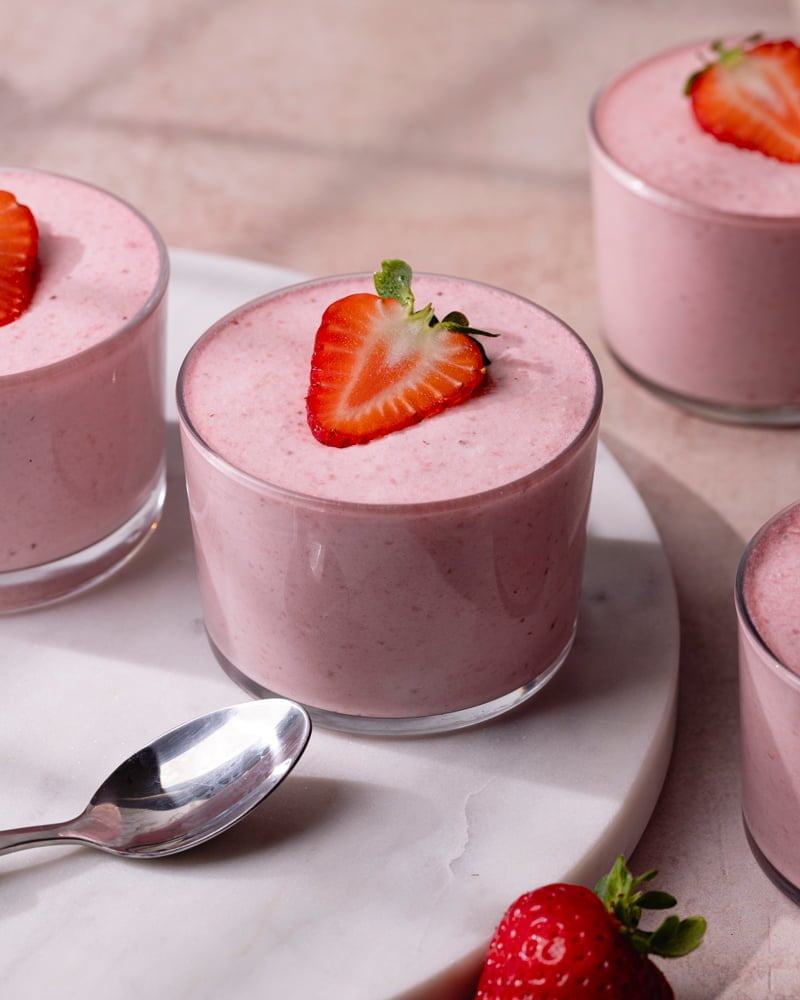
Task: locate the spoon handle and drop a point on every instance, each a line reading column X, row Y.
column 36, row 836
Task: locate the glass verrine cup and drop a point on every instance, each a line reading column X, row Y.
column 768, row 610
column 696, row 247
column 82, row 473
column 425, row 581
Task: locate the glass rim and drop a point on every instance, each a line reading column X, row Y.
column 353, row 506
column 148, row 307
column 742, row 610
column 650, row 192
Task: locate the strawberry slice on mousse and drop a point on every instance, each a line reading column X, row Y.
column 379, row 366
column 749, row 95
column 19, row 248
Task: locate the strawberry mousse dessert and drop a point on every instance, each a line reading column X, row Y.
column 83, row 278
column 696, row 196
column 768, row 609
column 389, row 528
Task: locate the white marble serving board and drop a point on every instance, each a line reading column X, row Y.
column 379, row 869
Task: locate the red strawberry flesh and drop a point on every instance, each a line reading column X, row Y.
column 379, row 367
column 750, row 97
column 19, row 247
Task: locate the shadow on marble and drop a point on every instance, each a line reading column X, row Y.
column 153, row 601
column 697, row 834
column 26, row 875
column 302, row 808
column 296, row 808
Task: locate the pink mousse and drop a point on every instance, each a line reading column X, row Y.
column 647, row 126
column 81, row 375
column 772, row 588
column 245, row 391
column 98, row 266
column 428, row 571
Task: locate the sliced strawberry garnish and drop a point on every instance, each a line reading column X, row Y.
column 379, row 366
column 19, row 247
column 750, row 96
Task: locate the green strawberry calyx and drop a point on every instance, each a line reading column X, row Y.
column 623, row 898
column 393, row 281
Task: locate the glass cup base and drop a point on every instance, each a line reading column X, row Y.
column 787, row 888
column 728, row 413
column 408, row 725
column 37, row 586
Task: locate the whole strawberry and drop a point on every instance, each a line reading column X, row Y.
column 564, row 942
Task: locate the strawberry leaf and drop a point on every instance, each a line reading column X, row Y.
column 647, row 877
column 615, row 883
column 692, row 80
column 675, row 938
column 455, row 319
column 393, row 281
column 663, row 934
column 672, row 938
column 655, row 900
column 464, row 328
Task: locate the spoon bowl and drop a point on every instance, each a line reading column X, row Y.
column 186, row 787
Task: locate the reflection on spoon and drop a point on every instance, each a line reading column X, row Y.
column 189, row 785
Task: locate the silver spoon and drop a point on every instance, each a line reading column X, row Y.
column 189, row 785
